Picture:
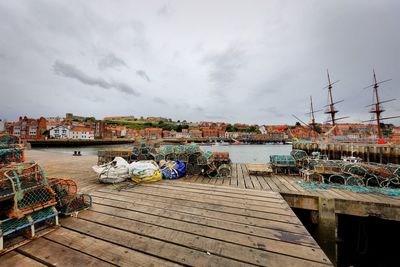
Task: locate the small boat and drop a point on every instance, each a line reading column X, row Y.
column 220, row 144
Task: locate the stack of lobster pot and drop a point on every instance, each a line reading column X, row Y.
column 11, row 149
column 28, row 204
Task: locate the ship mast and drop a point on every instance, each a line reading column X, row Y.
column 331, row 106
column 313, row 124
column 377, row 109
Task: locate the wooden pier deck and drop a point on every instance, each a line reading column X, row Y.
column 345, row 201
column 154, row 225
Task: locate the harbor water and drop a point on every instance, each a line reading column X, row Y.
column 238, row 153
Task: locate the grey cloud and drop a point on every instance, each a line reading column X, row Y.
column 70, row 71
column 111, row 61
column 159, row 100
column 273, row 111
column 143, row 75
column 198, row 108
column 182, row 105
column 224, row 66
column 165, row 10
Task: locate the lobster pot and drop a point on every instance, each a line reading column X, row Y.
column 193, row 158
column 202, row 160
column 159, row 156
column 224, row 170
column 189, row 169
column 19, row 177
column 79, row 203
column 9, row 141
column 220, row 156
column 19, row 230
column 150, row 156
column 34, row 199
column 179, row 149
column 183, row 157
column 192, row 148
column 11, row 155
column 171, row 156
column 65, row 189
column 283, row 164
column 168, row 149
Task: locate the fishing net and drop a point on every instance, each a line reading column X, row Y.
column 361, row 189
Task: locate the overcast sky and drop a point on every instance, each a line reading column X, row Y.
column 235, row 61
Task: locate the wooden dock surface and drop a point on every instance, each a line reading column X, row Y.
column 160, row 224
column 346, row 202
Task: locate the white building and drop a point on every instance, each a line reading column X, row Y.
column 2, row 125
column 60, row 132
column 79, row 132
column 182, row 135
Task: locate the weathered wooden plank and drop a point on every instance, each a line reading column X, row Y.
column 255, row 182
column 225, row 189
column 227, row 181
column 218, row 196
column 282, row 187
column 141, row 221
column 219, row 223
column 343, row 193
column 219, row 180
column 271, row 184
column 293, row 182
column 56, row 254
column 240, row 177
column 277, row 210
column 105, row 251
column 234, row 178
column 247, row 181
column 263, row 183
column 162, row 249
column 214, row 213
column 200, row 243
column 267, row 197
column 15, row 259
column 289, row 186
column 356, row 208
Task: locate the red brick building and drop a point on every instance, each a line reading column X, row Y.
column 153, row 133
column 29, row 129
column 195, row 133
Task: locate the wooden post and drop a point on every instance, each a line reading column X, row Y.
column 327, row 227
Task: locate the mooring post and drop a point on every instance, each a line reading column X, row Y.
column 327, row 227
